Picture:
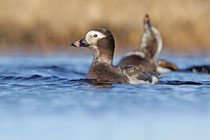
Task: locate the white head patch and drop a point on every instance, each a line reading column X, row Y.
column 93, row 36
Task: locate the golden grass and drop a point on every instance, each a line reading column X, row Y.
column 183, row 23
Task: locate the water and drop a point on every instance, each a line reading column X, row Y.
column 43, row 98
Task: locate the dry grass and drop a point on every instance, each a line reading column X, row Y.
column 49, row 23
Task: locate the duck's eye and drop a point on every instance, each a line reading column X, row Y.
column 95, row 35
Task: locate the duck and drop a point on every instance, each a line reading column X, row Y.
column 102, row 69
column 150, row 47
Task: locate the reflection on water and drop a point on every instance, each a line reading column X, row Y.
column 48, row 98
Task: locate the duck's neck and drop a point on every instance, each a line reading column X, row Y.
column 151, row 42
column 99, row 64
column 101, row 57
column 105, row 50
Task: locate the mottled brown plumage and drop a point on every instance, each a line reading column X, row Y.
column 151, row 40
column 136, row 60
column 101, row 69
column 150, row 46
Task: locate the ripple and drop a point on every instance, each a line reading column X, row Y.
column 32, row 78
column 180, row 83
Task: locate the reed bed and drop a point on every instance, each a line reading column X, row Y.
column 47, row 24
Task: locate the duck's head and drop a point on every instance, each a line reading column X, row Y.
column 101, row 40
column 147, row 22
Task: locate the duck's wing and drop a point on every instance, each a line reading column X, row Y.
column 137, row 75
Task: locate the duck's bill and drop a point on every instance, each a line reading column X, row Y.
column 80, row 43
column 147, row 20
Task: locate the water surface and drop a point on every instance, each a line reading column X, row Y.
column 43, row 98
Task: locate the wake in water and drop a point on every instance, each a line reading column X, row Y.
column 176, row 82
column 60, row 70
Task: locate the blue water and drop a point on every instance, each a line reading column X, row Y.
column 43, row 98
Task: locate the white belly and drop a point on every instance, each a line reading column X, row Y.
column 162, row 69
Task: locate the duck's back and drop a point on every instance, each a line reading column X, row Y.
column 106, row 73
column 102, row 72
column 136, row 60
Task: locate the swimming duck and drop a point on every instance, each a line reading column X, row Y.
column 150, row 46
column 102, row 41
column 164, row 66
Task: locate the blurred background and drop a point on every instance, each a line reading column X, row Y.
column 45, row 97
column 48, row 26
